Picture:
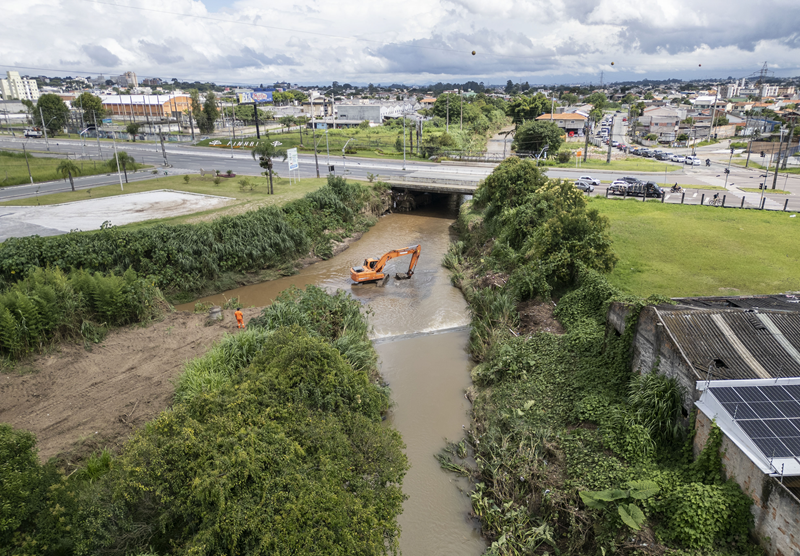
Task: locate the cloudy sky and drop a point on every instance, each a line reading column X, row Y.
column 414, row 41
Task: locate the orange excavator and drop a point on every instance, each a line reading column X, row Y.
column 373, row 268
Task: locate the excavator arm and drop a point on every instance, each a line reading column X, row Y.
column 373, row 268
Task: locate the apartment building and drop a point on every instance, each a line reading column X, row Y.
column 15, row 87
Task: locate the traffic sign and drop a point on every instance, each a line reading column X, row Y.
column 291, row 157
column 106, row 120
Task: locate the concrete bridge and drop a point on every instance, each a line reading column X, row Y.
column 436, row 185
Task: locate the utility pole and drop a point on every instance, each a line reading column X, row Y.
column 191, row 122
column 255, row 113
column 163, row 150
column 610, row 140
column 778, row 162
column 788, row 144
column 750, row 143
column 119, row 172
column 586, row 146
column 314, row 136
column 447, row 124
column 713, row 113
column 27, row 163
column 404, row 141
column 461, row 125
column 97, row 134
column 44, row 128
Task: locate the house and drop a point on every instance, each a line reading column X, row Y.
column 737, row 360
column 572, row 123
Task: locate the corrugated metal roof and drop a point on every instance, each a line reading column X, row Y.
column 736, row 344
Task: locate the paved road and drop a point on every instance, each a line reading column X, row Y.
column 185, row 159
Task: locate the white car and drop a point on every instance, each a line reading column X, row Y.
column 692, row 160
column 590, row 179
column 678, row 158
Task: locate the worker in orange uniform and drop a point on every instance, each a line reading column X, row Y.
column 239, row 317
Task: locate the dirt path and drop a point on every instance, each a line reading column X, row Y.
column 90, row 400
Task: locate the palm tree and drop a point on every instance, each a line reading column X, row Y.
column 66, row 169
column 264, row 152
column 125, row 160
column 301, row 121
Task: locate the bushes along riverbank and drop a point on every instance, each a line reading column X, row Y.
column 185, row 258
column 283, row 452
column 574, row 452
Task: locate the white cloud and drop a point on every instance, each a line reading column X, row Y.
column 415, row 41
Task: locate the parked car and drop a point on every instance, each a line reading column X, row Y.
column 634, row 150
column 663, row 156
column 590, row 180
column 584, row 186
column 678, row 158
column 648, row 154
column 692, row 160
column 624, row 119
column 618, row 187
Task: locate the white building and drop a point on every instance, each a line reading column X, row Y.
column 16, row 88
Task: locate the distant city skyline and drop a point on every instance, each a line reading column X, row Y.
column 414, row 42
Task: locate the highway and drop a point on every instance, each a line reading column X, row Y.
column 184, row 159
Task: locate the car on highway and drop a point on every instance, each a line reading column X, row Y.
column 584, row 186
column 614, row 143
column 678, row 158
column 692, row 160
column 33, row 133
column 663, row 156
column 618, row 187
column 634, row 150
column 629, row 179
column 589, row 179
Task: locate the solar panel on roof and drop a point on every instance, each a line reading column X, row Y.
column 772, row 447
column 725, row 395
column 789, row 409
column 769, row 415
column 794, row 390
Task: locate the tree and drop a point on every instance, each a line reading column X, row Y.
column 91, row 105
column 683, row 137
column 132, row 129
column 628, row 99
column 524, row 108
column 598, row 100
column 720, row 120
column 301, row 121
column 55, row 113
column 533, row 136
column 264, row 152
column 67, row 168
column 287, row 122
column 570, row 98
column 648, row 96
column 197, row 109
column 509, row 87
column 210, row 113
column 651, row 137
column 125, row 160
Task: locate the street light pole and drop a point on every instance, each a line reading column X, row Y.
column 44, row 128
column 404, row 140
column 778, row 163
column 27, row 163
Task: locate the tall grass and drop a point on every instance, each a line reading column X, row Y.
column 48, row 305
column 186, row 257
column 336, row 318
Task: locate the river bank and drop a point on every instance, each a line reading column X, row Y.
column 574, row 452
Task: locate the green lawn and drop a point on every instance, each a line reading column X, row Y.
column 632, row 163
column 14, row 170
column 228, row 187
column 773, row 191
column 682, row 250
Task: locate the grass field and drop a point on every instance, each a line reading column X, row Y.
column 632, row 163
column 791, row 170
column 228, row 187
column 682, row 250
column 365, row 142
column 14, row 170
column 773, row 191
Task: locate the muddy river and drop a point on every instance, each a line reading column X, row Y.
column 419, row 330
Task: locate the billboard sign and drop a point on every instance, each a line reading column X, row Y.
column 106, row 120
column 259, row 96
column 291, row 157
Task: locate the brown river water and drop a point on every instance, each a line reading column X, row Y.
column 419, row 331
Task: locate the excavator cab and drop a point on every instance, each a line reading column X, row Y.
column 372, row 270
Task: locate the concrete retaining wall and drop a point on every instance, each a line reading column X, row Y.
column 775, row 509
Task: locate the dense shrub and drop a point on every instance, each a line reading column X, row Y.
column 49, row 304
column 184, row 257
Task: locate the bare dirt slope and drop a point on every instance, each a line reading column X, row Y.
column 95, row 399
